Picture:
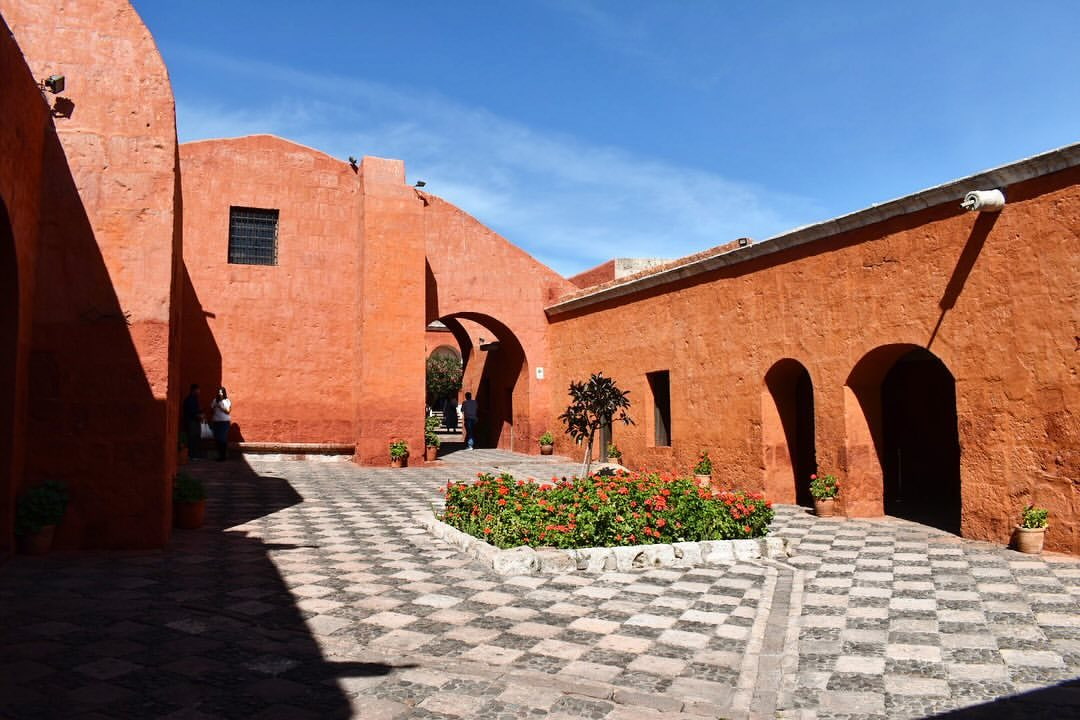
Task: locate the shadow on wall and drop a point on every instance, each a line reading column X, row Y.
column 92, row 419
column 200, row 355
column 9, row 342
column 207, row 627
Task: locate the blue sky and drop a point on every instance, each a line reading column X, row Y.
column 585, row 130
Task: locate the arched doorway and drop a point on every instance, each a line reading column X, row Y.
column 496, row 372
column 921, row 448
column 788, row 438
column 9, row 340
column 902, row 446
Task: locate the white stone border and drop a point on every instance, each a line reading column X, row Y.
column 528, row 561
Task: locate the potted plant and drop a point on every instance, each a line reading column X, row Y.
column 399, row 454
column 547, row 443
column 182, row 454
column 431, row 440
column 1031, row 531
column 614, row 454
column 189, row 502
column 38, row 511
column 703, row 470
column 825, row 489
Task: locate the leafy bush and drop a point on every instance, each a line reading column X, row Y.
column 704, row 464
column 547, row 438
column 613, row 451
column 188, row 489
column 1034, row 517
column 40, row 506
column 599, row 511
column 431, row 439
column 824, row 487
column 399, row 449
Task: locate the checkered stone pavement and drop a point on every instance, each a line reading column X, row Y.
column 903, row 621
column 313, row 593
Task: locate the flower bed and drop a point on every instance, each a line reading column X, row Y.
column 601, row 511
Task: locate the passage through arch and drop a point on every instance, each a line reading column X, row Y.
column 788, row 437
column 907, row 398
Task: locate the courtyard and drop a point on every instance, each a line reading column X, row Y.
column 313, row 593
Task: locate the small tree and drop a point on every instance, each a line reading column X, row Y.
column 594, row 404
column 444, row 374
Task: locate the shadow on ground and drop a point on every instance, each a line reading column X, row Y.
column 1056, row 702
column 206, row 628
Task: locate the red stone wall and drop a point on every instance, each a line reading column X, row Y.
column 100, row 408
column 1009, row 286
column 280, row 338
column 602, row 273
column 22, row 134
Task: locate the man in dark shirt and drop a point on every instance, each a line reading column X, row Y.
column 193, row 416
column 470, row 410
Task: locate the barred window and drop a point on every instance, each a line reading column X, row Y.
column 253, row 236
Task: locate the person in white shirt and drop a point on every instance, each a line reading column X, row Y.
column 220, row 417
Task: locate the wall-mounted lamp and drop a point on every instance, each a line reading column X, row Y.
column 420, row 184
column 743, row 242
column 53, row 83
column 354, row 163
column 984, row 200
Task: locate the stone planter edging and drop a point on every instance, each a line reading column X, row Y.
column 528, row 561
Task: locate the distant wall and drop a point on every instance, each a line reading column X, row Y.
column 280, row 338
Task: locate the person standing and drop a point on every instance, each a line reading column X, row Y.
column 449, row 414
column 471, row 410
column 193, row 416
column 220, row 418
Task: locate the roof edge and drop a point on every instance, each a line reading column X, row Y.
column 1029, row 168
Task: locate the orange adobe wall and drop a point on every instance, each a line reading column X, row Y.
column 281, row 338
column 89, row 186
column 993, row 296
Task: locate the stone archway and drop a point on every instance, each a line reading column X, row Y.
column 921, row 448
column 9, row 341
column 788, row 437
column 903, row 449
column 496, row 372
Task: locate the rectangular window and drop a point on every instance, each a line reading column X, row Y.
column 660, row 385
column 253, row 235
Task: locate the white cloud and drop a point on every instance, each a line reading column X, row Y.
column 568, row 203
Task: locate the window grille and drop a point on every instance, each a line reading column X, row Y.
column 253, row 235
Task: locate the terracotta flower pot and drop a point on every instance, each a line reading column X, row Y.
column 703, row 481
column 189, row 515
column 38, row 543
column 615, row 460
column 182, row 456
column 1030, row 540
column 825, row 507
column 430, row 453
column 547, row 449
column 399, row 462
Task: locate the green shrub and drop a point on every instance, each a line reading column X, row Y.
column 704, row 464
column 547, row 438
column 40, row 506
column 188, row 489
column 613, row 451
column 1034, row 517
column 399, row 449
column 599, row 511
column 431, row 439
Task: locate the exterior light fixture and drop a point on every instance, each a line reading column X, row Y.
column 353, row 163
column 984, row 201
column 53, row 83
column 743, row 242
column 420, row 184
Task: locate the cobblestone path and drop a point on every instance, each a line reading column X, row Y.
column 311, row 593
